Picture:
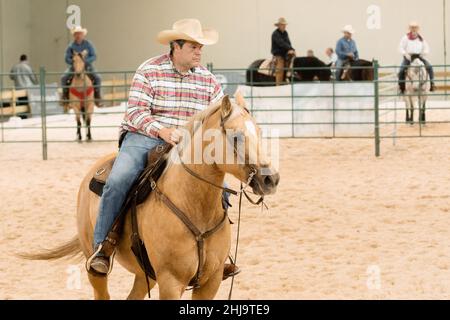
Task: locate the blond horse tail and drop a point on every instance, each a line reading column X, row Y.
column 70, row 249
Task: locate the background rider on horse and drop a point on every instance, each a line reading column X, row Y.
column 346, row 50
column 282, row 49
column 413, row 44
column 80, row 45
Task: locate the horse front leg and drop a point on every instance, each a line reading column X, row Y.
column 88, row 127
column 208, row 290
column 169, row 287
column 77, row 114
column 408, row 104
column 411, row 111
column 422, row 112
column 407, row 113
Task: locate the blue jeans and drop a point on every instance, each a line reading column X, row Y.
column 129, row 164
column 339, row 65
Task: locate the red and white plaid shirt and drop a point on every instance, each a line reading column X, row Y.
column 161, row 97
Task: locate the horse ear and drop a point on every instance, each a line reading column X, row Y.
column 226, row 107
column 240, row 99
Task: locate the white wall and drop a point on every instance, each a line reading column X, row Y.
column 124, row 31
column 15, row 33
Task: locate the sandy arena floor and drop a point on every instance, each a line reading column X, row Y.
column 343, row 225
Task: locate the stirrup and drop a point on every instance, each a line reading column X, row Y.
column 89, row 261
column 235, row 272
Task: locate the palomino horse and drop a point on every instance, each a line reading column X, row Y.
column 305, row 69
column 81, row 95
column 170, row 245
column 417, row 85
column 359, row 70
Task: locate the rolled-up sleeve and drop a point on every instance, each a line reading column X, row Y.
column 139, row 109
column 217, row 91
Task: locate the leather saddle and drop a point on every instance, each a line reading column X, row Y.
column 155, row 165
column 141, row 189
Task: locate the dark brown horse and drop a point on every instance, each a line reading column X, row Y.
column 303, row 69
column 359, row 70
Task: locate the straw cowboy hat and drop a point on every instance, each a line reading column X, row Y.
column 281, row 21
column 77, row 29
column 414, row 24
column 188, row 29
column 348, row 28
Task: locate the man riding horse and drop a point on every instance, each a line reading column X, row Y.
column 346, row 50
column 281, row 50
column 413, row 44
column 80, row 45
column 166, row 91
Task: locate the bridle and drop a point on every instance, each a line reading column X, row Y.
column 200, row 236
column 84, row 61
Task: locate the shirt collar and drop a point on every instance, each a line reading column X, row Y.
column 187, row 74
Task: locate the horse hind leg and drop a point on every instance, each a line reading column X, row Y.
column 140, row 289
column 100, row 286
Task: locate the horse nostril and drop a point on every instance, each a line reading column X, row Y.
column 271, row 180
column 268, row 181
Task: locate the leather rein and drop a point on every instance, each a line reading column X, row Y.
column 198, row 234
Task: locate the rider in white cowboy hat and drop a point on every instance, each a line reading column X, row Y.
column 414, row 44
column 282, row 49
column 152, row 117
column 345, row 49
column 80, row 45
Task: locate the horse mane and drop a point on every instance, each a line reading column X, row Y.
column 190, row 126
column 202, row 116
column 309, row 62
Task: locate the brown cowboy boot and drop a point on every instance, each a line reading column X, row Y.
column 230, row 270
column 64, row 102
column 98, row 97
column 432, row 87
column 101, row 261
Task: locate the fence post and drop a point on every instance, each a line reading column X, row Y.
column 376, row 108
column 1, row 104
column 334, row 108
column 43, row 112
column 292, row 101
column 14, row 102
column 251, row 90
